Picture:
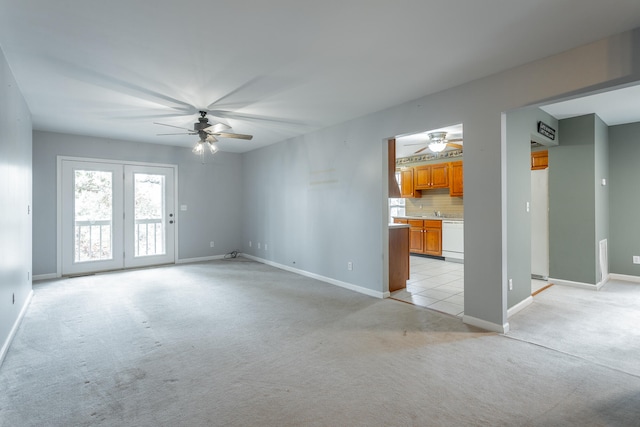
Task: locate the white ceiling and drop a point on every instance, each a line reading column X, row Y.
column 614, row 107
column 279, row 68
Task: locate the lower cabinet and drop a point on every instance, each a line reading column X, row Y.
column 425, row 236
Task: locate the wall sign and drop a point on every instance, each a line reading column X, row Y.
column 546, row 130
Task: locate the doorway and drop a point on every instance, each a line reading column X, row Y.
column 115, row 215
column 429, row 175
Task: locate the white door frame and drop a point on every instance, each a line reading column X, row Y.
column 60, row 159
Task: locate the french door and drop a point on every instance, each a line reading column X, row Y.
column 115, row 216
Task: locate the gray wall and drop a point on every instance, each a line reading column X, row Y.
column 624, row 181
column 15, row 200
column 578, row 203
column 344, row 219
column 211, row 192
column 601, row 171
column 521, row 130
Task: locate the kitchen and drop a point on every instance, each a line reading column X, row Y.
column 429, row 176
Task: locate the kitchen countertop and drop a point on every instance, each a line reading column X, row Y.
column 429, row 217
column 392, row 225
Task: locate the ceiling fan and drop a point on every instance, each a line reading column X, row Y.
column 207, row 133
column 438, row 142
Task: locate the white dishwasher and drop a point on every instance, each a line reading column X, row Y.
column 453, row 239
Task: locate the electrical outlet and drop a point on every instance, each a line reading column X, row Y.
column 249, row 243
column 265, row 246
column 211, row 245
column 258, row 245
column 528, row 207
column 350, row 266
column 510, row 284
column 636, row 259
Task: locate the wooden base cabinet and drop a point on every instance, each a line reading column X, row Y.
column 398, row 258
column 425, row 237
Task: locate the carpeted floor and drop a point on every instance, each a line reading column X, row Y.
column 238, row 343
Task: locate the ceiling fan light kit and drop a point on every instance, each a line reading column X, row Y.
column 207, row 133
column 437, row 147
column 438, row 142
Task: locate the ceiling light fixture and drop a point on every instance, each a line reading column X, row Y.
column 438, row 143
column 203, row 144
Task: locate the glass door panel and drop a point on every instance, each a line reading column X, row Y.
column 92, row 199
column 115, row 216
column 149, row 202
column 93, row 215
column 149, row 228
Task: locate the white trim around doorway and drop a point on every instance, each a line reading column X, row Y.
column 59, row 160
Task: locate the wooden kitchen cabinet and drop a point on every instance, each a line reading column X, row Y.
column 539, row 160
column 404, row 177
column 416, row 236
column 456, row 179
column 433, row 237
column 426, row 177
column 425, row 237
column 398, row 258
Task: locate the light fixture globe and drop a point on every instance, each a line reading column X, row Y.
column 198, row 148
column 213, row 147
column 438, row 142
column 437, row 147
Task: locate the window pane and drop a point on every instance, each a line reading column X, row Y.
column 93, row 215
column 149, row 214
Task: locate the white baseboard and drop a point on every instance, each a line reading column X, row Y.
column 329, row 280
column 483, row 324
column 14, row 329
column 200, row 259
column 624, row 277
column 519, row 306
column 49, row 276
column 581, row 285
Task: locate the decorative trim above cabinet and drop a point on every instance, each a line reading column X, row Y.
column 428, row 156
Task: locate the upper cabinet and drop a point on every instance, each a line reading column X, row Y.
column 431, row 176
column 456, row 179
column 404, row 176
column 539, row 160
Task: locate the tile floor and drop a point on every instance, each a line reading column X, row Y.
column 435, row 284
column 439, row 285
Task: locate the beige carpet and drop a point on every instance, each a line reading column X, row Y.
column 238, row 343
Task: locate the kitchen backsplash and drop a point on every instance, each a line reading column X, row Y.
column 435, row 200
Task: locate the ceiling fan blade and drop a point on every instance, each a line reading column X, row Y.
column 451, row 144
column 420, row 150
column 454, row 140
column 181, row 133
column 417, row 143
column 233, row 135
column 217, row 127
column 172, row 126
column 211, row 138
